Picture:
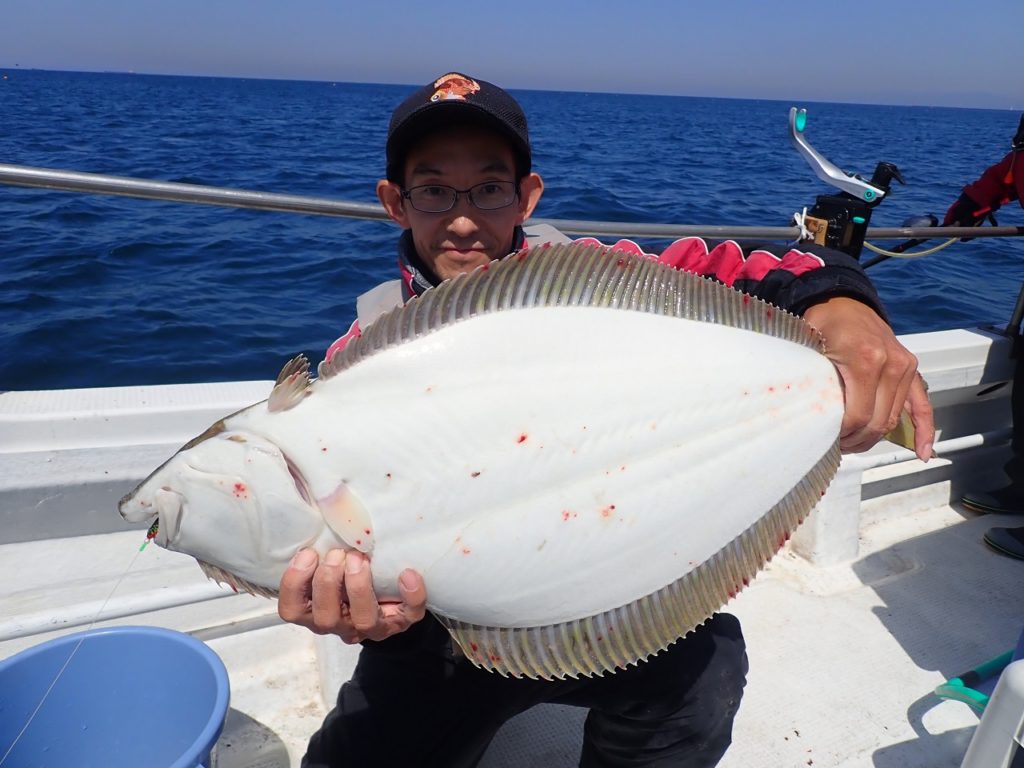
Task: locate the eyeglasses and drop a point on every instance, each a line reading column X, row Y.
column 438, row 198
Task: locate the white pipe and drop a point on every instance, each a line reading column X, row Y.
column 130, row 605
column 865, row 462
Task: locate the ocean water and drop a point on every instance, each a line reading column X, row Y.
column 108, row 291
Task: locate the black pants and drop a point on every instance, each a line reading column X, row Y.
column 412, row 703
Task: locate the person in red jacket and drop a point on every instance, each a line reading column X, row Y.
column 998, row 185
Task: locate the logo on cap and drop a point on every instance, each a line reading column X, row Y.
column 454, row 86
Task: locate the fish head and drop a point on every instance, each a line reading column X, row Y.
column 234, row 501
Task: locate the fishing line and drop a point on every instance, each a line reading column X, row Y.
column 74, row 650
column 915, row 254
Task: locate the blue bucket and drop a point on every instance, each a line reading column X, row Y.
column 131, row 696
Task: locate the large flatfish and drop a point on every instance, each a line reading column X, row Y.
column 585, row 454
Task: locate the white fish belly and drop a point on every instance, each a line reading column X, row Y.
column 548, row 464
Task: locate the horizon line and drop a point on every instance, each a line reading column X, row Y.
column 18, row 68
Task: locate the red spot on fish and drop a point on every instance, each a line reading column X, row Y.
column 621, row 262
column 521, row 256
column 746, row 582
column 241, row 491
column 622, row 468
column 495, row 658
column 599, row 638
column 607, row 511
column 522, row 438
column 474, row 647
column 732, row 593
column 359, row 541
column 466, row 550
column 485, row 267
column 768, row 313
column 746, row 299
column 430, row 389
column 366, row 531
column 474, row 474
column 568, row 513
column 324, row 449
column 389, row 475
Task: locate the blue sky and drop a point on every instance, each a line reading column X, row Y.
column 911, row 52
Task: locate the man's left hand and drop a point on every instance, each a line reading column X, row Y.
column 879, row 376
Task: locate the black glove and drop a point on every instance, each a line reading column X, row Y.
column 966, row 213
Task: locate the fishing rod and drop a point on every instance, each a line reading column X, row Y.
column 77, row 181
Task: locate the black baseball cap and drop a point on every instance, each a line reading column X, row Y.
column 456, row 99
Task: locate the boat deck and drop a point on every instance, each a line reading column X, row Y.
column 843, row 659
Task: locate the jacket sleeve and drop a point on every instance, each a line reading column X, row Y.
column 999, row 184
column 793, row 279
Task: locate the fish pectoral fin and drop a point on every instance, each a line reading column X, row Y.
column 292, row 385
column 345, row 514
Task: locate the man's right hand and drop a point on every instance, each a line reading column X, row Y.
column 336, row 597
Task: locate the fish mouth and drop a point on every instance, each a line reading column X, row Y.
column 136, row 510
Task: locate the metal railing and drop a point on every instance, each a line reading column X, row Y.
column 76, row 181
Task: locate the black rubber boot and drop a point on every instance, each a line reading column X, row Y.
column 1006, row 541
column 1008, row 499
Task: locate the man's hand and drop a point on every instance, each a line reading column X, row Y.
column 879, row 376
column 336, row 597
column 966, row 213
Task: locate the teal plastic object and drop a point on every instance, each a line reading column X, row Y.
column 974, row 688
column 130, row 697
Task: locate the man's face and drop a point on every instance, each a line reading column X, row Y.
column 464, row 237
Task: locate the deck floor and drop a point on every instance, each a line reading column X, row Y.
column 843, row 659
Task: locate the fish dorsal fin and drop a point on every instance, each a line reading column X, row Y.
column 291, row 386
column 576, row 274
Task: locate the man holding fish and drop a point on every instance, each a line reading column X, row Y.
column 460, row 184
